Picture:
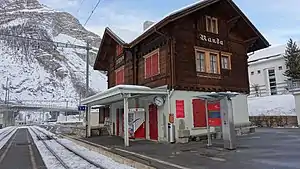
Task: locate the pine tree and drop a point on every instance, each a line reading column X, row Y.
column 292, row 60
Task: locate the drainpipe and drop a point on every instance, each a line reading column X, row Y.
column 171, row 55
column 170, row 92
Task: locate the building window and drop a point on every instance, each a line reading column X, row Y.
column 225, row 61
column 258, row 72
column 208, row 61
column 212, row 24
column 280, row 67
column 252, row 73
column 120, row 76
column 200, row 61
column 152, row 64
column 213, row 63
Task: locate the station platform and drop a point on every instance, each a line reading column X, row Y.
column 263, row 149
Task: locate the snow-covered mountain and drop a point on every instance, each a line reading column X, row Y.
column 36, row 69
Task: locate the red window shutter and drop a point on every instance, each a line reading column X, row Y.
column 199, row 113
column 117, row 77
column 120, row 76
column 148, row 67
column 154, row 64
column 117, row 50
column 121, row 50
column 122, row 80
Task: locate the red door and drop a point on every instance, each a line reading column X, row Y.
column 118, row 122
column 153, row 124
column 199, row 113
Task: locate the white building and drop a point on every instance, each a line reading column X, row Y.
column 266, row 69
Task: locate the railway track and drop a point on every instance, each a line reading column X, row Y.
column 47, row 139
column 5, row 133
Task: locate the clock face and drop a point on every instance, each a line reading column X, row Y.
column 159, row 101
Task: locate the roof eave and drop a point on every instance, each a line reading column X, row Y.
column 261, row 37
column 171, row 18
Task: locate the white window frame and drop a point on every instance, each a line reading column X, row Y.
column 213, row 64
column 209, row 24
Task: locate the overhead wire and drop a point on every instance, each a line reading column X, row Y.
column 92, row 13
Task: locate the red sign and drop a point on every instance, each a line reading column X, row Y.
column 214, row 115
column 214, row 122
column 179, row 108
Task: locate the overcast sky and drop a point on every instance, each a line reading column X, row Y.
column 277, row 21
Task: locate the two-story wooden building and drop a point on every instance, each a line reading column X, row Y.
column 196, row 50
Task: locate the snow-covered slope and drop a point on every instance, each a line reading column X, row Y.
column 276, row 105
column 36, row 69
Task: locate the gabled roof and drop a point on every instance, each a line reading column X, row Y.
column 270, row 52
column 180, row 13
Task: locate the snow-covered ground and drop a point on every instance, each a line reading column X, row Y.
column 3, row 138
column 70, row 118
column 69, row 158
column 276, row 105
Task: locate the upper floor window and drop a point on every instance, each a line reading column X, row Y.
column 152, row 64
column 207, row 60
column 280, row 67
column 252, row 73
column 258, row 72
column 226, row 61
column 200, row 61
column 212, row 24
column 213, row 63
column 120, row 76
column 119, row 50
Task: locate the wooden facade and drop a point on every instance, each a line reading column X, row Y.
column 178, row 39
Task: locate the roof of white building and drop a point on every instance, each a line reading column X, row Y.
column 270, row 52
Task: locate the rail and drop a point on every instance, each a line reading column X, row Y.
column 74, row 152
column 6, row 133
column 293, row 85
column 50, row 150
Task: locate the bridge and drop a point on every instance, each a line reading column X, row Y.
column 36, row 107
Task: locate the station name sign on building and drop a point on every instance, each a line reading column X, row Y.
column 211, row 40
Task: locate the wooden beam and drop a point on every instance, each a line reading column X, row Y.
column 250, row 42
column 234, row 19
column 232, row 23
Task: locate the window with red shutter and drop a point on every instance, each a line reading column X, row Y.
column 120, row 76
column 154, row 64
column 148, row 67
column 122, row 80
column 119, row 50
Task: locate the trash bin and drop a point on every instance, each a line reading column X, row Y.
column 171, row 133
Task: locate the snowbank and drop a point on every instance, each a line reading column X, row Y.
column 277, row 105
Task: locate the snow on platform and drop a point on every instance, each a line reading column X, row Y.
column 276, row 105
column 3, row 138
column 51, row 162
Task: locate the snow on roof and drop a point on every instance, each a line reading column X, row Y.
column 276, row 105
column 269, row 52
column 124, row 35
column 128, row 36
